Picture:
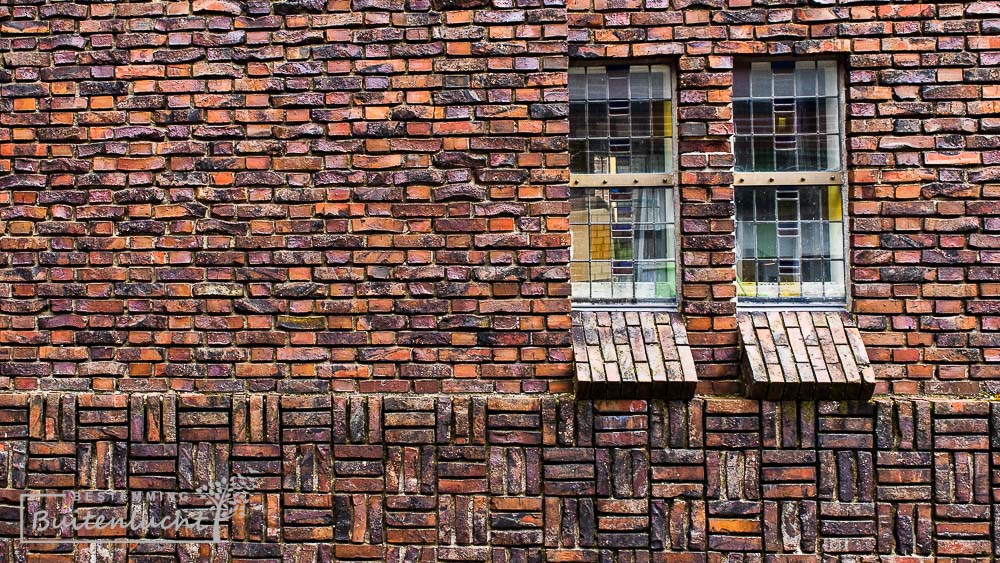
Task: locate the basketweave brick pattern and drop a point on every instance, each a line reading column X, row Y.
column 791, row 355
column 622, row 354
column 476, row 478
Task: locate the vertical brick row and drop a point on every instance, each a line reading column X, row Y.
column 789, row 477
column 903, row 466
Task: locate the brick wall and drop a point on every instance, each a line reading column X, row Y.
column 475, row 478
column 325, row 244
column 333, row 196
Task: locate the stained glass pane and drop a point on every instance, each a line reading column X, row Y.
column 623, row 243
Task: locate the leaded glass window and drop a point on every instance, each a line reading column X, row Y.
column 789, row 196
column 620, row 120
column 622, row 194
column 623, row 244
column 787, row 116
column 791, row 242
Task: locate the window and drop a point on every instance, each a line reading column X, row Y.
column 789, row 176
column 621, row 159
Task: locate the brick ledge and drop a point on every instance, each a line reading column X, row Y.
column 632, row 354
column 804, row 355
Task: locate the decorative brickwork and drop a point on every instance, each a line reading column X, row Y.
column 476, row 479
column 325, row 244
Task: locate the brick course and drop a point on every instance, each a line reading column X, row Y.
column 325, row 243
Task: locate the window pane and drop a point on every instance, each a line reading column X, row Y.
column 597, row 85
column 805, row 78
column 618, row 112
column 767, row 240
column 642, row 119
column 808, row 152
column 807, row 120
column 783, row 105
column 744, row 154
column 832, row 154
column 763, row 117
column 827, row 74
column 581, row 241
column 741, row 116
column 578, row 155
column 625, row 111
column 577, row 84
column 639, row 82
column 748, row 243
column 763, row 154
column 812, row 202
column 659, row 156
column 764, row 201
column 597, row 120
column 659, row 82
column 617, row 83
column 662, row 119
column 760, row 80
column 784, row 80
column 578, row 120
column 744, row 205
column 623, row 243
column 789, row 243
column 600, row 161
column 814, row 240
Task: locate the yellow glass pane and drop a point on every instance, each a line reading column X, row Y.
column 790, row 289
column 835, row 204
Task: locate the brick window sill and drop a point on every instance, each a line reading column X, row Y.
column 632, row 354
column 804, row 355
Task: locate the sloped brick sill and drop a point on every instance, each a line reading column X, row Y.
column 632, row 354
column 804, row 355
